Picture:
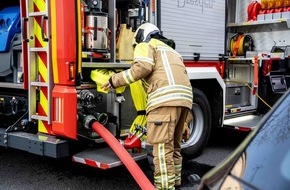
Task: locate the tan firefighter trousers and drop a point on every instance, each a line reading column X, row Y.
column 164, row 133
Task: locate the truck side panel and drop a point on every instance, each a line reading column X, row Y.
column 196, row 26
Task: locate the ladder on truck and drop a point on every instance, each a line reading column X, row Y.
column 39, row 62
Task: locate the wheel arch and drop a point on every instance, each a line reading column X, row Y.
column 214, row 94
column 209, row 81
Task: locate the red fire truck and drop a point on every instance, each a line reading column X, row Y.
column 55, row 54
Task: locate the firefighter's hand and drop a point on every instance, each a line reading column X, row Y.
column 106, row 86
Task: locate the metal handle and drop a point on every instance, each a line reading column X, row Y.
column 95, row 28
column 23, row 29
column 42, row 28
column 70, row 74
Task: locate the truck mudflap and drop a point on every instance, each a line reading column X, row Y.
column 104, row 158
column 243, row 123
column 40, row 144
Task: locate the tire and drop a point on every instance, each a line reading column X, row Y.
column 200, row 126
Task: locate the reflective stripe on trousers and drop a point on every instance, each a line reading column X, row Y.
column 167, row 157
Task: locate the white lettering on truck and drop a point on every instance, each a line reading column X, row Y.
column 204, row 4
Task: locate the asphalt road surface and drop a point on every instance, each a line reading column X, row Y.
column 24, row 171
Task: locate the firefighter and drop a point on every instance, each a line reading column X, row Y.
column 169, row 100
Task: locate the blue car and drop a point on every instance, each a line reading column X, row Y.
column 262, row 161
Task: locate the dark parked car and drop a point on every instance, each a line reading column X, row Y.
column 262, row 161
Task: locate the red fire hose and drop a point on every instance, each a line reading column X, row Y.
column 124, row 156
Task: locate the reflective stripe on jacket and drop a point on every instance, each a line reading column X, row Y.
column 163, row 75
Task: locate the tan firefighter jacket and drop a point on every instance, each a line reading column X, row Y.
column 163, row 75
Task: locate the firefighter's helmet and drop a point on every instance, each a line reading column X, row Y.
column 144, row 32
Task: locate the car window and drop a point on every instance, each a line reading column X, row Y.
column 267, row 157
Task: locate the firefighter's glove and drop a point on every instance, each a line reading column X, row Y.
column 108, row 85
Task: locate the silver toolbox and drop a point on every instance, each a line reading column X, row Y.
column 237, row 95
column 97, row 34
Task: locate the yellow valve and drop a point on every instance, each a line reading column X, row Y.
column 264, row 4
column 279, row 3
column 271, row 4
